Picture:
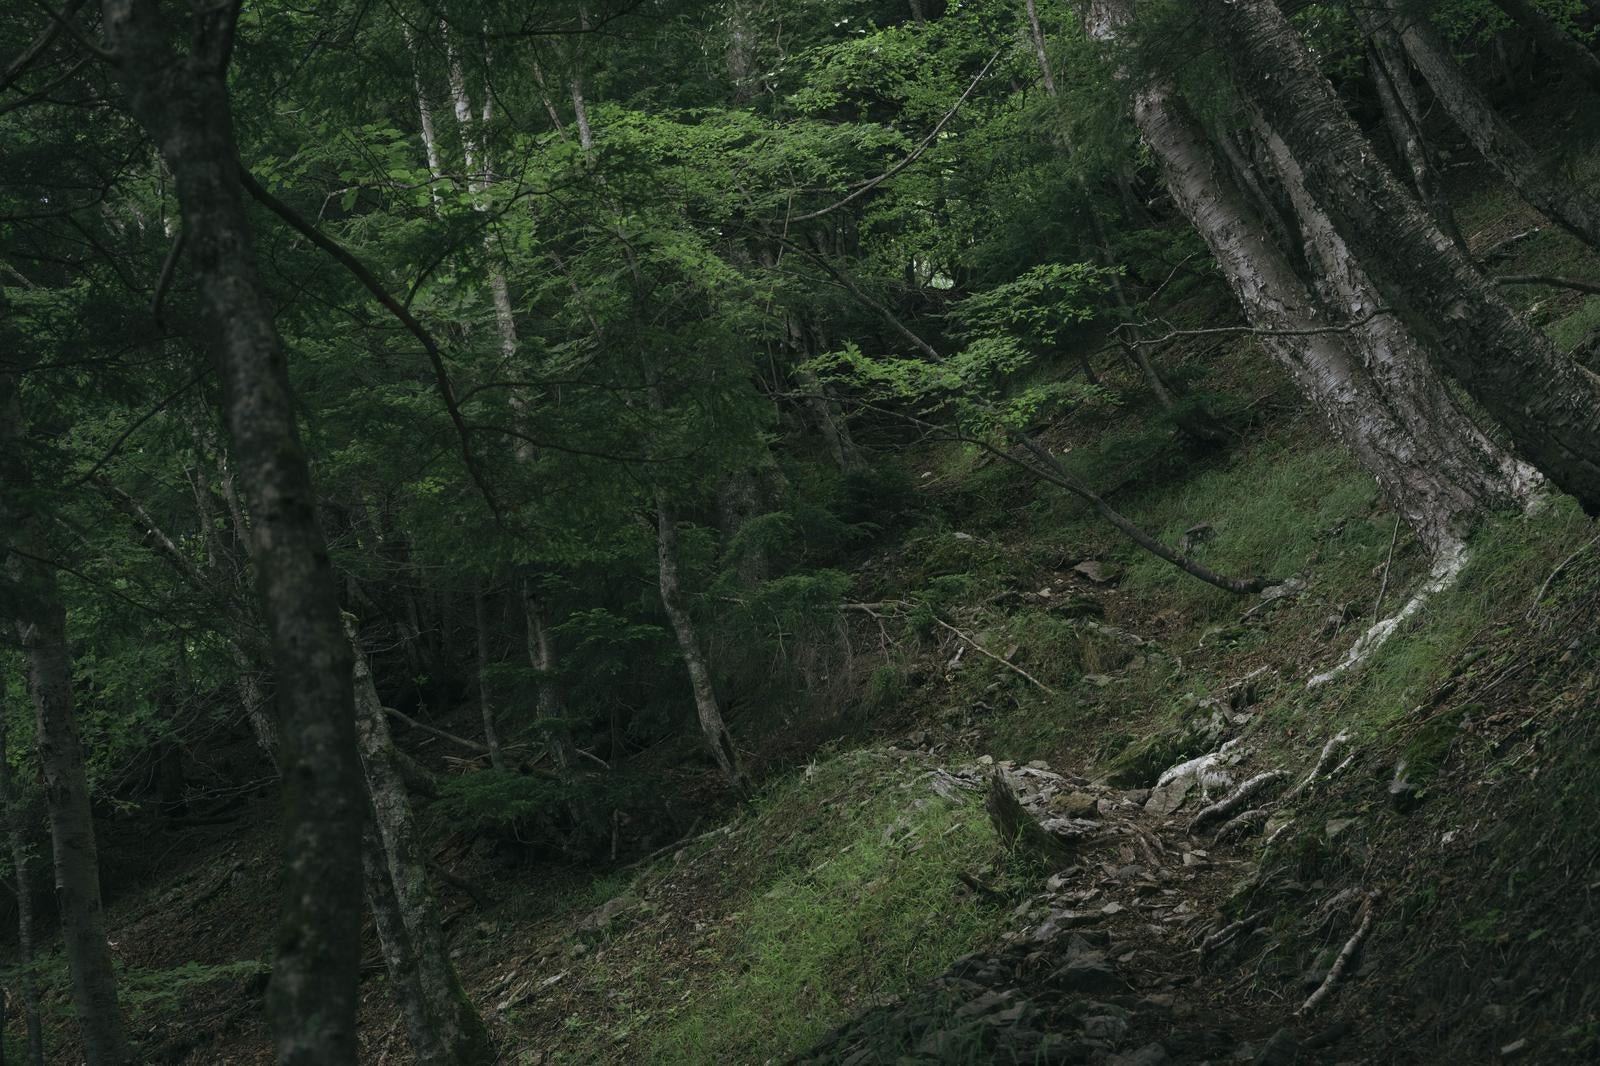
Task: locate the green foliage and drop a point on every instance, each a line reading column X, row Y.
column 500, row 800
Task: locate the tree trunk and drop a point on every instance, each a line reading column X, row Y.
column 1036, row 34
column 1402, row 114
column 1435, row 468
column 1551, row 36
column 41, row 626
column 399, row 957
column 182, row 102
column 491, row 736
column 20, row 818
column 456, row 1023
column 1501, row 147
column 542, row 657
column 694, row 659
column 1548, row 404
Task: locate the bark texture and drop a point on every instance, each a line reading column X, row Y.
column 454, row 1021
column 182, row 103
column 20, row 818
column 1402, row 115
column 1363, row 372
column 491, row 735
column 33, row 599
column 1558, row 199
column 1548, row 404
column 399, row 957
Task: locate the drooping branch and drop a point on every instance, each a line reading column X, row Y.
column 369, row 281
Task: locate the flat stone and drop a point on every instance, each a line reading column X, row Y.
column 1281, row 1049
column 1075, row 805
column 1150, row 1055
column 1089, row 972
column 1167, row 798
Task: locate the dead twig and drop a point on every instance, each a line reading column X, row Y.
column 872, row 609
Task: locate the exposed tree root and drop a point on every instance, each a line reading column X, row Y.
column 1329, row 750
column 1243, row 824
column 1446, row 569
column 1342, row 962
column 1225, row 807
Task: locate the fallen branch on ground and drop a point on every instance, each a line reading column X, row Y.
column 898, row 606
column 1342, row 962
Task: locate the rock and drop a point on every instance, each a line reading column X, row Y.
column 1107, row 1027
column 1336, row 827
column 600, row 920
column 1281, row 1049
column 1098, row 571
column 1088, row 972
column 1167, row 798
column 1404, row 794
column 1075, row 805
column 1195, row 536
column 962, row 536
column 1150, row 1055
column 1514, row 1049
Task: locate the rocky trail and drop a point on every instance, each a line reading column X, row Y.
column 1130, row 952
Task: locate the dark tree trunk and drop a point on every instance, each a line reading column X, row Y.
column 1536, row 182
column 17, row 807
column 41, row 625
column 1548, row 404
column 182, row 102
column 1402, row 114
column 1551, row 36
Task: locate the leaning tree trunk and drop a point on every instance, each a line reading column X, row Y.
column 17, row 811
column 1547, row 403
column 399, row 957
column 1551, row 36
column 40, row 619
column 1439, row 477
column 182, row 102
column 1558, row 199
column 456, row 1024
column 694, row 657
column 1402, row 114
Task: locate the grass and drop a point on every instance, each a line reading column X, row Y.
column 1271, row 510
column 835, row 892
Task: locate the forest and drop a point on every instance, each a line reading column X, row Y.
column 799, row 531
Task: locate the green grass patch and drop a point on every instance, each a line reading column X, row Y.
column 1269, row 510
column 858, row 921
column 1569, row 331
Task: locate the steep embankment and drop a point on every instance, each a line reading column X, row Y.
column 864, row 906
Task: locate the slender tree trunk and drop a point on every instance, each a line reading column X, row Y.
column 1551, row 36
column 1036, row 34
column 1547, row 403
column 399, row 956
column 1558, row 199
column 1402, row 114
column 694, row 658
column 1435, row 468
column 456, row 1023
column 18, row 812
column 41, row 626
column 491, row 735
column 182, row 102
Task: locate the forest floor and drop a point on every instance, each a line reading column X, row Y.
column 862, row 907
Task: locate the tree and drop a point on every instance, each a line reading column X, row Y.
column 1363, row 373
column 1558, row 199
column 182, row 103
column 1548, row 404
column 32, row 603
